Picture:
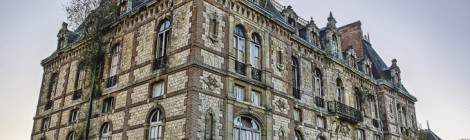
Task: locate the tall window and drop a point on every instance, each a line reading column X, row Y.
column 73, row 116
column 357, row 98
column 156, row 125
column 255, row 53
column 79, row 78
column 45, row 123
column 158, row 89
column 107, row 105
column 210, row 126
column 213, row 25
column 163, row 38
column 71, row 136
column 376, row 137
column 114, row 60
column 297, row 115
column 321, row 122
column 360, row 134
column 334, row 45
column 246, row 128
column 239, row 43
column 256, row 98
column 339, row 91
column 239, row 92
column 52, row 87
column 296, row 77
column 318, row 83
column 105, row 132
column 298, row 135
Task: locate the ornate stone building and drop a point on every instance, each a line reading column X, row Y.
column 223, row 70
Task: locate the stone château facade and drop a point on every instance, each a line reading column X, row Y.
column 223, row 70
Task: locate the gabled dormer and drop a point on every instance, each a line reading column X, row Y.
column 331, row 38
column 313, row 33
column 62, row 36
column 350, row 57
column 290, row 16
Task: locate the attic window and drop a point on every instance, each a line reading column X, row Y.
column 61, row 43
column 291, row 21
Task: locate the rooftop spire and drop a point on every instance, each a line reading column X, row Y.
column 331, row 21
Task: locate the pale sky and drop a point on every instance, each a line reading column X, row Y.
column 428, row 37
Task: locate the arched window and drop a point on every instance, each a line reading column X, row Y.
column 255, row 53
column 210, row 126
column 321, row 138
column 156, row 125
column 339, row 91
column 246, row 128
column 71, row 136
column 298, row 135
column 163, row 38
column 296, row 77
column 318, row 83
column 105, row 132
column 239, row 43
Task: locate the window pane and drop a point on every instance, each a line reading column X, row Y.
column 255, row 98
column 158, row 89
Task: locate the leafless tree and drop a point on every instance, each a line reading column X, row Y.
column 78, row 10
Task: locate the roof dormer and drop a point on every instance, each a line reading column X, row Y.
column 62, row 36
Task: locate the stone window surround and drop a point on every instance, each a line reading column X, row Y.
column 248, row 88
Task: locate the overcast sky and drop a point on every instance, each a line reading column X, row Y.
column 428, row 37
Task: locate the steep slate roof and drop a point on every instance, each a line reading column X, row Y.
column 429, row 135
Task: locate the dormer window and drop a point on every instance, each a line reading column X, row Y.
column 61, row 43
column 291, row 21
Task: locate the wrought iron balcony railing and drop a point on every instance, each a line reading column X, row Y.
column 296, row 93
column 111, row 81
column 320, row 102
column 49, row 105
column 77, row 94
column 256, row 74
column 160, row 63
column 240, row 68
column 345, row 112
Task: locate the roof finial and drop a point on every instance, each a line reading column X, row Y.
column 331, row 21
column 427, row 122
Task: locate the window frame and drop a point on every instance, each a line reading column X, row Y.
column 106, row 131
column 154, row 90
column 73, row 116
column 256, row 98
column 240, row 128
column 108, row 105
column 239, row 92
column 255, row 51
column 158, row 123
column 163, row 38
column 239, row 44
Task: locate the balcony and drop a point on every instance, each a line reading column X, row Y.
column 320, row 102
column 345, row 112
column 160, row 63
column 256, row 74
column 240, row 68
column 111, row 81
column 77, row 94
column 296, row 93
column 49, row 105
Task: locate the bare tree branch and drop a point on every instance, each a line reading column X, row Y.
column 78, row 10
